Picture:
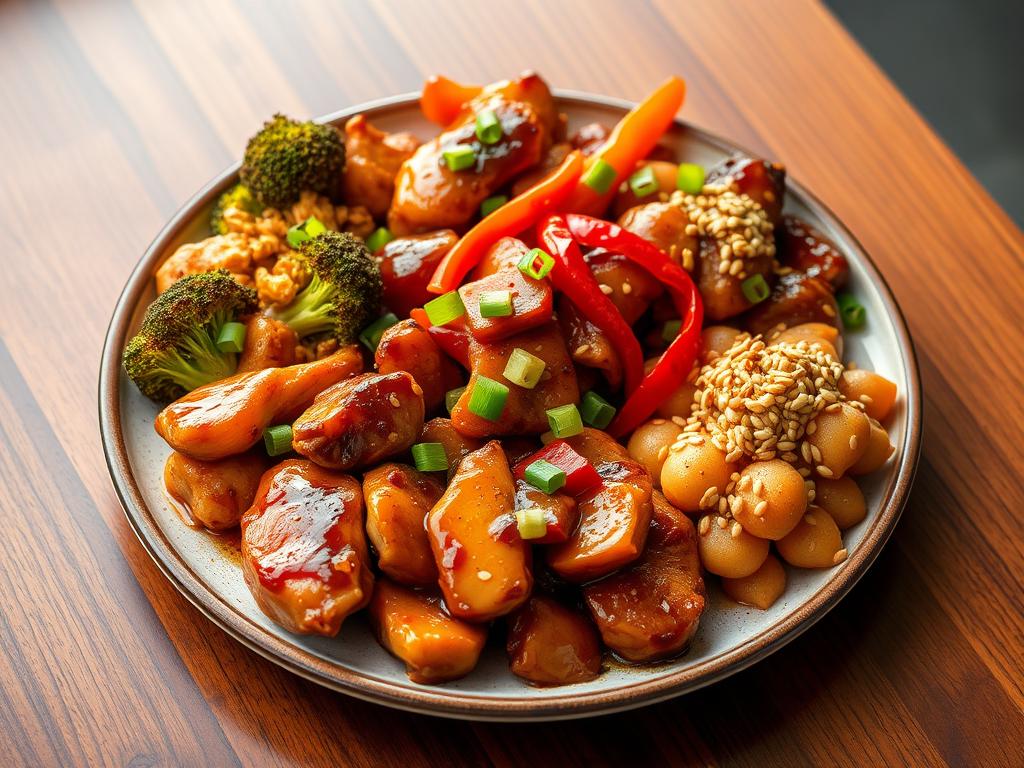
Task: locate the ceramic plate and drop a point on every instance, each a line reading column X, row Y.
column 730, row 637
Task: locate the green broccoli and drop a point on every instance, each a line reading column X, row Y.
column 239, row 196
column 287, row 157
column 344, row 293
column 175, row 350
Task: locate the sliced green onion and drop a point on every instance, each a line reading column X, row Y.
column 371, row 334
column 523, row 368
column 755, row 289
column 670, row 330
column 690, row 178
column 231, row 337
column 307, row 230
column 545, row 476
column 380, row 237
column 491, row 204
column 451, row 397
column 531, row 523
column 444, row 309
column 487, row 400
column 596, row 411
column 460, row 157
column 853, row 313
column 536, row 264
column 565, row 420
column 429, row 457
column 495, row 303
column 643, row 182
column 488, row 127
column 600, row 176
column 278, row 439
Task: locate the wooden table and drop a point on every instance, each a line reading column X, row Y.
column 114, row 113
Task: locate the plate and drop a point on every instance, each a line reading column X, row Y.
column 731, row 637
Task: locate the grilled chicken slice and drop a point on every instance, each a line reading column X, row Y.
column 406, row 266
column 484, row 564
column 614, row 516
column 372, row 158
column 797, row 298
column 805, row 249
column 304, row 552
column 549, row 644
column 398, row 499
column 214, row 493
column 361, row 421
column 228, row 417
column 429, row 195
column 650, row 610
column 407, row 347
column 415, row 627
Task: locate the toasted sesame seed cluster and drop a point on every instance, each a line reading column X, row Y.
column 738, row 225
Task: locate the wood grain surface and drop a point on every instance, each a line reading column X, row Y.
column 114, row 113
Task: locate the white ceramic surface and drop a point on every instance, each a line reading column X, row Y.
column 730, row 636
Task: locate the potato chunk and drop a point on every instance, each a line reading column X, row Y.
column 214, row 493
column 398, row 499
column 484, row 566
column 415, row 627
column 304, row 553
column 360, row 421
column 651, row 609
column 614, row 516
column 549, row 644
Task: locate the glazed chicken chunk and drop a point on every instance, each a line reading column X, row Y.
column 214, row 493
column 304, row 553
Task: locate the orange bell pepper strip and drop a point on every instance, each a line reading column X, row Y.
column 518, row 214
column 442, row 99
column 630, row 142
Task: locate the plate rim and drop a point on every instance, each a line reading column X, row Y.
column 446, row 702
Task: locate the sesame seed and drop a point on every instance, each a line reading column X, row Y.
column 393, row 399
column 627, row 288
column 827, row 309
column 761, row 508
column 483, row 575
column 839, row 556
column 722, row 523
column 605, row 288
column 704, row 525
column 662, row 452
column 823, row 470
column 736, row 530
column 853, row 442
column 581, row 350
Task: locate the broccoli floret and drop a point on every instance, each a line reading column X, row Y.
column 287, row 157
column 175, row 350
column 344, row 293
column 239, row 196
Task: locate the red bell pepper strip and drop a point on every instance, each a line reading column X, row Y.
column 442, row 99
column 580, row 474
column 630, row 142
column 573, row 277
column 677, row 362
column 517, row 214
column 452, row 339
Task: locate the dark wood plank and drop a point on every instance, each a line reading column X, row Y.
column 115, row 112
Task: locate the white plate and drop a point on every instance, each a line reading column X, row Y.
column 730, row 637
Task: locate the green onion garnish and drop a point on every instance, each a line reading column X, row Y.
column 460, row 157
column 596, row 411
column 488, row 127
column 429, row 457
column 670, row 330
column 536, row 264
column 231, row 337
column 565, row 420
column 487, row 400
column 444, row 309
column 307, row 230
column 491, row 204
column 643, row 182
column 600, row 176
column 755, row 289
column 853, row 312
column 523, row 368
column 690, row 178
column 380, row 237
column 371, row 334
column 531, row 523
column 278, row 439
column 495, row 303
column 545, row 476
column 451, row 397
